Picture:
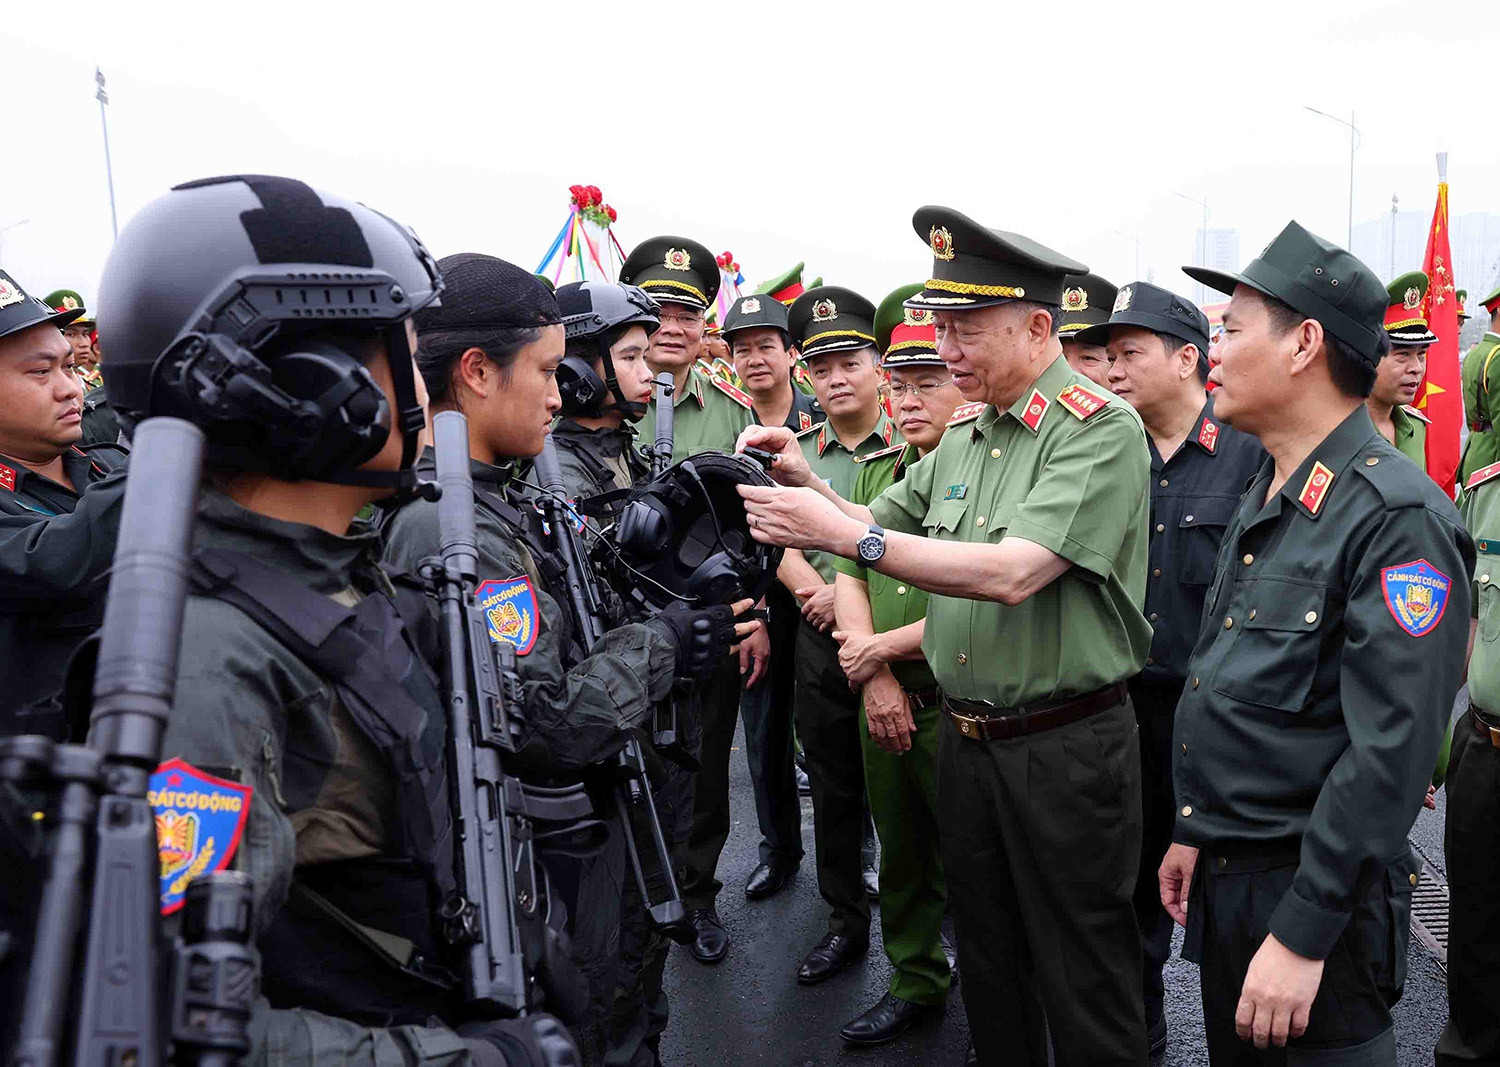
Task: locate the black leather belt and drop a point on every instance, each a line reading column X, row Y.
column 923, row 698
column 986, row 722
column 1482, row 725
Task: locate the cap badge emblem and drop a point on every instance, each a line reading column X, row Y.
column 941, row 241
column 917, row 316
column 1122, row 302
column 678, row 259
column 70, row 303
column 750, row 306
column 1075, row 300
column 1413, row 299
column 10, row 294
column 824, row 310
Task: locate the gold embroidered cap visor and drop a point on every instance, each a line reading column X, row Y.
column 1086, row 300
column 974, row 266
column 1315, row 278
column 673, row 270
column 830, row 318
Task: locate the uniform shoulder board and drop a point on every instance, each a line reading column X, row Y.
column 1482, row 475
column 966, row 412
column 1400, row 485
column 1082, row 403
column 893, row 450
column 730, row 391
column 810, row 429
column 1420, row 416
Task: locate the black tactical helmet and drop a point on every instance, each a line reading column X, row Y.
column 203, row 301
column 600, row 310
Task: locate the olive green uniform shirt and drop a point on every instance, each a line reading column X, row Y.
column 708, row 414
column 833, row 462
column 1332, row 644
column 1411, row 434
column 1076, row 486
column 1480, row 369
column 1481, row 512
column 893, row 604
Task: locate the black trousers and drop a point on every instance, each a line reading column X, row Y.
column 1040, row 839
column 828, row 722
column 1471, row 842
column 767, row 714
column 1229, row 911
column 1155, row 707
column 718, row 701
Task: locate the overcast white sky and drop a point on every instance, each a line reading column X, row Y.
column 778, row 132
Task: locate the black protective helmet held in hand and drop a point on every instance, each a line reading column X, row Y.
column 601, row 311
column 249, row 305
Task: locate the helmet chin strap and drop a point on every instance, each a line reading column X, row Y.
column 633, row 410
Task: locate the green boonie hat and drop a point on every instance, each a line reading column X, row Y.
column 1317, row 279
column 1405, row 322
column 905, row 336
column 749, row 312
column 70, row 300
column 673, row 270
column 831, row 318
column 1086, row 301
column 1463, row 297
column 975, row 267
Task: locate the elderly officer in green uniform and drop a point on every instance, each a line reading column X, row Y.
column 1333, row 639
column 880, row 636
column 1034, row 517
column 834, row 329
column 1480, row 370
column 1087, row 301
column 1400, row 373
column 1471, row 839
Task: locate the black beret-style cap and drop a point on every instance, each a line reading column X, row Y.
column 673, row 270
column 757, row 310
column 20, row 311
column 1317, row 279
column 974, row 266
column 1153, row 308
column 830, row 318
column 1086, row 301
column 485, row 293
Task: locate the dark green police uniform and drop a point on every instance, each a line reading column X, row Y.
column 1040, row 831
column 100, row 424
column 1332, row 643
column 830, row 319
column 1478, row 372
column 1471, row 838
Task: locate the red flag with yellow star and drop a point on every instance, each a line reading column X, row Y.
column 1441, row 395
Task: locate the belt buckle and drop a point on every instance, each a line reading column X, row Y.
column 1494, row 734
column 968, row 725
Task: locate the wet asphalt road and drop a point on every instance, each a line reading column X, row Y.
column 750, row 1010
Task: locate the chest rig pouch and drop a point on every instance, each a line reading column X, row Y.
column 359, row 938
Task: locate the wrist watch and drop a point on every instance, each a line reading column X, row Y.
column 872, row 546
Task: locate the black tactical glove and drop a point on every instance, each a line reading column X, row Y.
column 536, row 1041
column 702, row 636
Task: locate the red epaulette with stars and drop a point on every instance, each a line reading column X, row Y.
column 1082, row 403
column 1315, row 491
column 1420, row 416
column 965, row 412
column 878, row 454
column 1482, row 475
column 730, row 391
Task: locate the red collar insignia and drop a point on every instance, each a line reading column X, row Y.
column 1479, row 477
column 886, row 433
column 1208, row 435
column 1036, row 407
column 1081, row 403
column 7, row 478
column 1316, row 489
column 804, row 420
column 822, row 438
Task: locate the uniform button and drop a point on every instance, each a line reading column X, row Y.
column 1222, row 863
column 1249, row 559
column 1483, row 578
column 1195, row 686
column 900, row 590
column 1162, row 483
column 1188, row 519
column 994, row 453
column 1370, row 463
column 1413, row 879
column 1150, row 661
column 1187, row 810
column 1311, row 616
column 1156, row 573
column 1160, row 528
column 1184, row 749
column 979, row 521
column 1153, row 616
column 1228, row 623
column 1252, row 613
column 963, row 657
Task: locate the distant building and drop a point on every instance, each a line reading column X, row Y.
column 1218, row 250
column 1395, row 243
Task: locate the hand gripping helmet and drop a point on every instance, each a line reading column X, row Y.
column 238, row 303
column 600, row 310
column 684, row 536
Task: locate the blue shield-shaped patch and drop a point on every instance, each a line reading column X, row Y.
column 510, row 610
column 1417, row 594
column 199, row 820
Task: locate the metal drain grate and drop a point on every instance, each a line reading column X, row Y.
column 1429, row 913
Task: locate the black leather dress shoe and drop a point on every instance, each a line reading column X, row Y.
column 768, row 879
column 887, row 1020
column 872, row 883
column 712, row 941
column 830, row 956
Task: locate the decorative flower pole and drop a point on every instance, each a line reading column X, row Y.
column 585, row 249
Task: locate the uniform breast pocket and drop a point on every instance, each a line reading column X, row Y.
column 1199, row 535
column 1487, row 581
column 1273, row 661
column 943, row 518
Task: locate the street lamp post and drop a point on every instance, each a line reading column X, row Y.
column 1353, row 144
column 1394, row 202
column 109, row 174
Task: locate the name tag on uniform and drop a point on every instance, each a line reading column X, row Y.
column 957, row 492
